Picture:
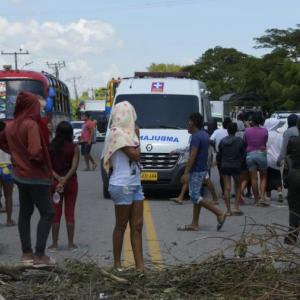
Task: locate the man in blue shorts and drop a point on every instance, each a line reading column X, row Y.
column 196, row 172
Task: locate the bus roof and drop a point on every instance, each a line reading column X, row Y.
column 10, row 74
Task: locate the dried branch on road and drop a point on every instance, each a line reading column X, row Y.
column 258, row 266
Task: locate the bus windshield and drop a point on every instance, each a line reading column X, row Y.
column 9, row 90
column 162, row 111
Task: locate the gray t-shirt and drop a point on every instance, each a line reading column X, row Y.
column 292, row 131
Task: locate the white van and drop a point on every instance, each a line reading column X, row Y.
column 96, row 110
column 163, row 106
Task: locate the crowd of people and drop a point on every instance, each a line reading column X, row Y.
column 253, row 155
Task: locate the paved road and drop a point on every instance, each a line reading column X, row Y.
column 162, row 242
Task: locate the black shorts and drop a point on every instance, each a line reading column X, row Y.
column 231, row 171
column 86, row 149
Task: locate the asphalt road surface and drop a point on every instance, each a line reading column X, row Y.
column 163, row 244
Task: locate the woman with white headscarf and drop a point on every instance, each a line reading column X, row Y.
column 274, row 181
column 121, row 158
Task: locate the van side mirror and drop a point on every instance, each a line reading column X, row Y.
column 102, row 124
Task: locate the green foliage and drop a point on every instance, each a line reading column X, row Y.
column 286, row 40
column 275, row 77
column 164, row 68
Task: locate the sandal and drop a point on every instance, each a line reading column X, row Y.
column 180, row 202
column 187, row 228
column 221, row 222
column 11, row 223
column 263, row 203
column 237, row 213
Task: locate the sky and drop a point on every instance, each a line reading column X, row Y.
column 100, row 39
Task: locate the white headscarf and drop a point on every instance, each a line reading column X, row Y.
column 272, row 124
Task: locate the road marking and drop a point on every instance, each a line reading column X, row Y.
column 153, row 243
column 127, row 250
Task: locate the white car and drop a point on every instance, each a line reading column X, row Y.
column 77, row 128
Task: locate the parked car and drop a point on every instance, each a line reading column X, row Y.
column 77, row 128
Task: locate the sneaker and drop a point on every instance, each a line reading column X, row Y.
column 27, row 259
column 43, row 261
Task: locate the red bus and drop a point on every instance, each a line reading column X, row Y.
column 14, row 81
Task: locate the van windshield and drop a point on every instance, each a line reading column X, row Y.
column 162, row 111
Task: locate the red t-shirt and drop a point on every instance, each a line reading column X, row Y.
column 87, row 129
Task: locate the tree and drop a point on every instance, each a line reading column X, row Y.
column 285, row 40
column 222, row 69
column 164, row 68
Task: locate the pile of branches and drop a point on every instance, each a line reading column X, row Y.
column 260, row 267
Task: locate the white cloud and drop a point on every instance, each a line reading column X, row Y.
column 81, row 44
column 73, row 39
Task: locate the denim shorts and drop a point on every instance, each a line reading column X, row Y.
column 257, row 161
column 196, row 189
column 126, row 195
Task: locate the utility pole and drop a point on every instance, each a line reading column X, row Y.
column 20, row 52
column 56, row 67
column 74, row 80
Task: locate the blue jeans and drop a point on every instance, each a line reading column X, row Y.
column 195, row 185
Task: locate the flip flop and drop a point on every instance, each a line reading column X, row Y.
column 177, row 201
column 221, row 223
column 11, row 224
column 238, row 213
column 263, row 204
column 187, row 228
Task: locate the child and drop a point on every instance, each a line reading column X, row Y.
column 64, row 157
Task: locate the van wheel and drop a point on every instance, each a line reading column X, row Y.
column 106, row 194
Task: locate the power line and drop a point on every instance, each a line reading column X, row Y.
column 56, row 67
column 20, row 52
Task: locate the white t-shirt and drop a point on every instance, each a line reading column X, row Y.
column 4, row 158
column 125, row 172
column 217, row 136
column 273, row 148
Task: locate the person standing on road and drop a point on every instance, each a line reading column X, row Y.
column 64, row 156
column 215, row 140
column 274, row 180
column 196, row 171
column 291, row 131
column 86, row 141
column 32, row 173
column 7, row 184
column 293, row 156
column 232, row 154
column 122, row 156
column 256, row 138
